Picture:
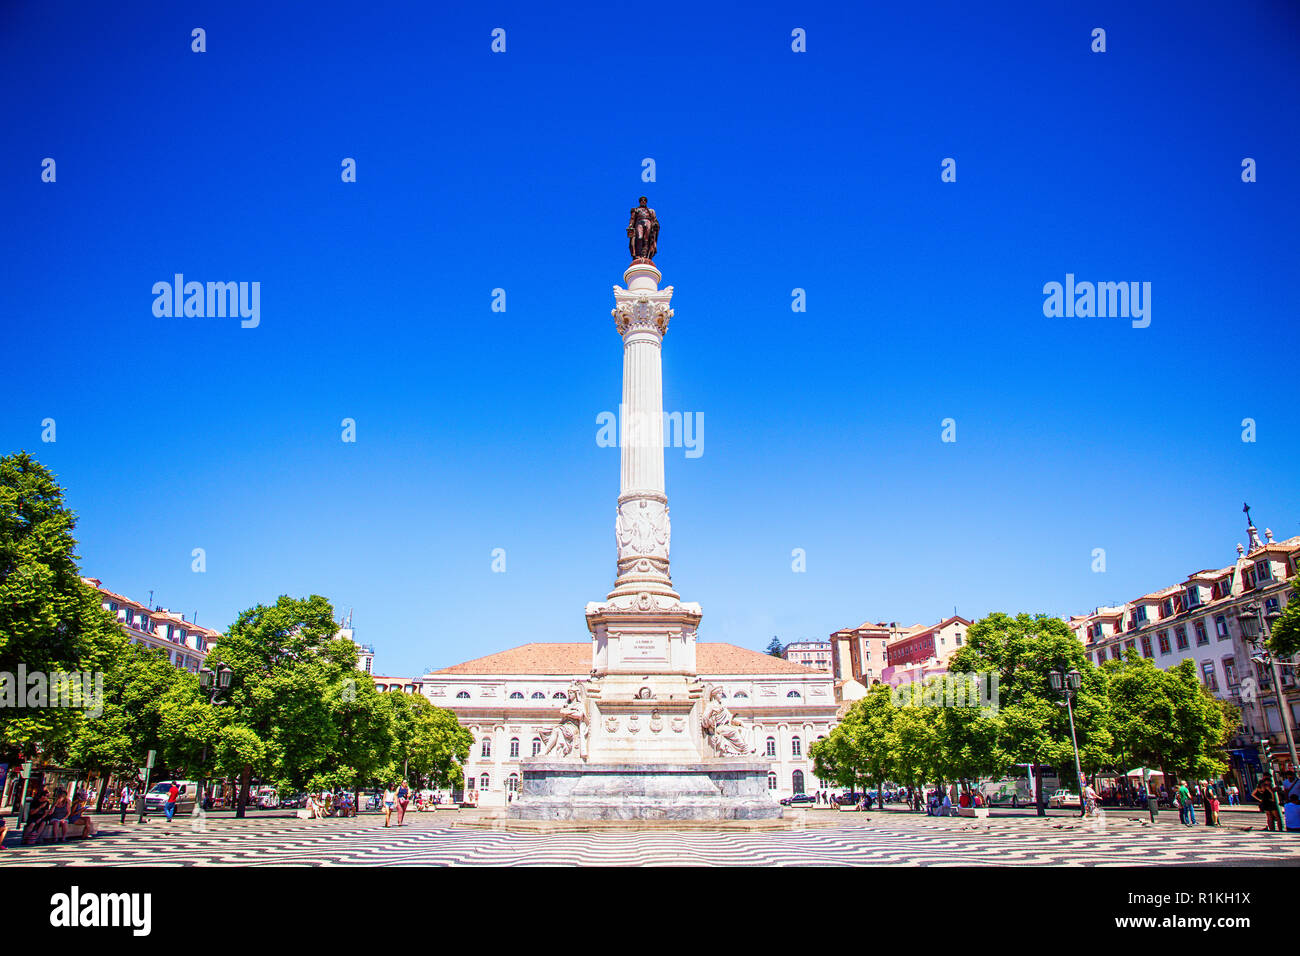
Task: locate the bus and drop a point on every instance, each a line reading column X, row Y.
column 1017, row 787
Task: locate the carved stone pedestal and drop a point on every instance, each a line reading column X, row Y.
column 723, row 789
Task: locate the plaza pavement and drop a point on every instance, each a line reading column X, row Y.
column 892, row 837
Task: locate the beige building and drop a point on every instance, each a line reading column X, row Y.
column 185, row 643
column 510, row 700
column 1198, row 619
column 814, row 654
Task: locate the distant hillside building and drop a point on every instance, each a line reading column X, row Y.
column 814, row 654
column 185, row 643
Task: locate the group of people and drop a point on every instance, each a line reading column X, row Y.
column 1280, row 804
column 63, row 816
column 328, row 804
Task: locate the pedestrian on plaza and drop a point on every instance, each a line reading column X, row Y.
column 169, row 808
column 403, row 800
column 1089, row 800
column 1211, row 808
column 946, row 805
column 124, row 800
column 1232, row 795
column 4, row 829
column 1292, row 811
column 390, row 801
column 1267, row 798
column 1184, row 797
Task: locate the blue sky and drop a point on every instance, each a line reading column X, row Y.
column 775, row 170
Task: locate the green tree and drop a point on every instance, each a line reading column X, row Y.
column 1284, row 639
column 50, row 620
column 288, row 666
column 1167, row 718
column 774, row 646
column 429, row 742
column 1034, row 726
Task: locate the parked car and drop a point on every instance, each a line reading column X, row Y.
column 851, row 797
column 1063, row 798
column 798, row 800
column 264, row 798
column 156, row 798
column 295, row 802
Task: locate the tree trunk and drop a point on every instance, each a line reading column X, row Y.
column 245, row 781
column 103, row 791
column 1039, row 801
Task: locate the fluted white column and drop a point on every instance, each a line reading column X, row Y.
column 642, row 312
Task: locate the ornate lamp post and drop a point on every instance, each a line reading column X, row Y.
column 218, row 683
column 1067, row 683
column 1257, row 628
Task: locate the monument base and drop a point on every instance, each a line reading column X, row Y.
column 711, row 790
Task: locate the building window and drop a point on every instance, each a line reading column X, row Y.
column 1201, row 636
column 1230, row 672
column 538, row 695
column 739, row 694
column 537, row 746
column 463, row 695
column 1130, row 645
column 1270, row 605
column 486, row 750
column 485, row 782
column 771, row 780
column 514, row 746
column 1140, row 615
column 1163, row 639
column 1263, row 572
column 512, row 783
column 1101, row 658
column 469, row 784
column 515, row 695
column 796, row 747
column 771, row 747
column 1146, row 645
column 1221, row 627
column 1114, row 652
column 1167, row 607
column 1207, row 675
column 558, row 695
column 796, row 781
column 794, row 693
column 1180, row 637
column 1193, row 596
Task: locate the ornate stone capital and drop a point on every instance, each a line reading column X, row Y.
column 636, row 311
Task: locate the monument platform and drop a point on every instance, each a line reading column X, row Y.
column 719, row 790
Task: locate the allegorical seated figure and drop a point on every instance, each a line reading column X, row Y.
column 572, row 730
column 725, row 734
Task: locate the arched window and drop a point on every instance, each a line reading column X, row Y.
column 795, row 694
column 469, row 783
column 485, row 782
column 463, row 695
column 771, row 781
column 796, row 747
column 771, row 747
column 740, row 693
column 558, row 695
column 516, row 696
column 537, row 746
column 487, row 747
column 512, row 783
column 514, row 746
column 538, row 695
column 797, row 781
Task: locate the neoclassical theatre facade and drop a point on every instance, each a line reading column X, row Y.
column 510, row 701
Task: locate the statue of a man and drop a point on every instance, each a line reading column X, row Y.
column 572, row 730
column 723, row 730
column 643, row 232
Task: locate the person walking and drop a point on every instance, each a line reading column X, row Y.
column 169, row 808
column 1211, row 808
column 1267, row 799
column 403, row 801
column 390, row 800
column 124, row 801
column 1184, row 797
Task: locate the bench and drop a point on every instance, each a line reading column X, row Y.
column 980, row 812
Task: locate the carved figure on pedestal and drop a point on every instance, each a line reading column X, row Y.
column 643, row 232
column 642, row 529
column 572, row 731
column 726, row 736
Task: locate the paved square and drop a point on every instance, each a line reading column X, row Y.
column 876, row 839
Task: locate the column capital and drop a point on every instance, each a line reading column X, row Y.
column 642, row 310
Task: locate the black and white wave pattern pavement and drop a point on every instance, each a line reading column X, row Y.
column 878, row 842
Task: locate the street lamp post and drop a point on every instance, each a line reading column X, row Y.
column 1067, row 683
column 219, row 682
column 1257, row 627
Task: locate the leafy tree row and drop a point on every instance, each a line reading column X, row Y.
column 298, row 714
column 1126, row 713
